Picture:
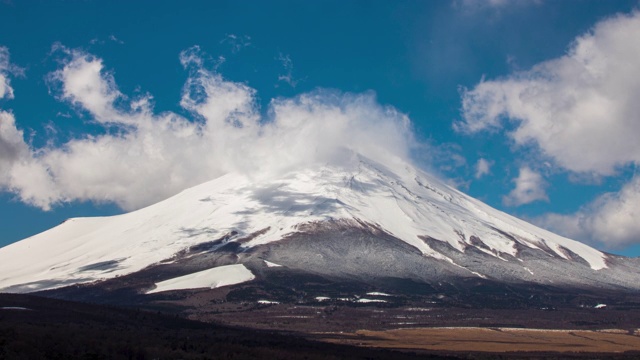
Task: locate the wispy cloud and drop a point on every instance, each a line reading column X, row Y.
column 530, row 187
column 483, row 167
column 146, row 156
column 115, row 39
column 195, row 58
column 6, row 70
column 473, row 6
column 287, row 64
column 111, row 38
column 236, row 42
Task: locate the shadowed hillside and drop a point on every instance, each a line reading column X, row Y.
column 39, row 328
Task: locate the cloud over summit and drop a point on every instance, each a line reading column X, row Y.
column 147, row 156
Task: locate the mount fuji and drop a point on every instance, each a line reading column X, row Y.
column 358, row 221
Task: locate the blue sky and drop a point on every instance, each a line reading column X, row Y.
column 526, row 105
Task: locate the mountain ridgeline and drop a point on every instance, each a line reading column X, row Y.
column 377, row 227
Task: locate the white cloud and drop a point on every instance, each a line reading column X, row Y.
column 612, row 219
column 483, row 167
column 530, row 187
column 12, row 146
column 144, row 157
column 582, row 112
column 5, row 67
column 16, row 158
column 20, row 172
column 581, row 109
column 86, row 85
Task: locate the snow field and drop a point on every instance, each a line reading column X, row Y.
column 211, row 278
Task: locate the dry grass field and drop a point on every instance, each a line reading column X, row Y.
column 495, row 340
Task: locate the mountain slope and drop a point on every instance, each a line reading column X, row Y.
column 342, row 220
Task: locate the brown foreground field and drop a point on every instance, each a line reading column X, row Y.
column 494, row 340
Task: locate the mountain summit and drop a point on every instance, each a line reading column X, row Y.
column 359, row 220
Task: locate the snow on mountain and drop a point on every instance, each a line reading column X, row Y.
column 211, row 278
column 403, row 201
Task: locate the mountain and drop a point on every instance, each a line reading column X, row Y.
column 357, row 221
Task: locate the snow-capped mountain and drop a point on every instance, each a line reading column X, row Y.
column 356, row 220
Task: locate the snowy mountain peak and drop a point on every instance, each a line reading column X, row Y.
column 401, row 201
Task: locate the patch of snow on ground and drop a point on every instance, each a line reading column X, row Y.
column 14, row 308
column 322, row 298
column 371, row 301
column 612, row 331
column 211, row 278
column 600, row 306
column 270, row 264
column 268, row 302
column 375, row 293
